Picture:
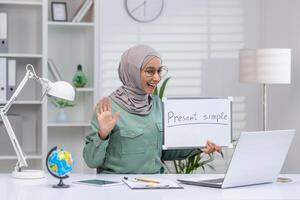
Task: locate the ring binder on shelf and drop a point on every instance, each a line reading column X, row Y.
column 11, row 75
column 3, row 33
column 3, row 79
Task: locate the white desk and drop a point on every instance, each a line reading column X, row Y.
column 13, row 189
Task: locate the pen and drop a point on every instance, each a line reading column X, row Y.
column 143, row 180
column 147, row 180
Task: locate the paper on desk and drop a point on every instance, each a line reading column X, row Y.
column 163, row 184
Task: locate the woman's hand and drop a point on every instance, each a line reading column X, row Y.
column 211, row 147
column 104, row 117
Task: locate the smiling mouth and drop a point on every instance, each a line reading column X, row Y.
column 152, row 86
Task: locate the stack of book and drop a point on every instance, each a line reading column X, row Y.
column 82, row 11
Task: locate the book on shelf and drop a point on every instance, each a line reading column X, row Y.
column 82, row 11
column 53, row 70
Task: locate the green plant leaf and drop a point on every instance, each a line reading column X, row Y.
column 155, row 92
column 176, row 166
column 222, row 154
column 211, row 167
column 61, row 103
column 163, row 87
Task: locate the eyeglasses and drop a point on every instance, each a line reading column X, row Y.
column 162, row 71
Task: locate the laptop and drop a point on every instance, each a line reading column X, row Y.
column 257, row 159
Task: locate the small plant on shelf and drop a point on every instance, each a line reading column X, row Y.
column 61, row 104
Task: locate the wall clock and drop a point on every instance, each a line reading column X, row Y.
column 144, row 10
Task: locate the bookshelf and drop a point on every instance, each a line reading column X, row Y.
column 68, row 44
column 21, row 2
column 25, row 17
column 78, row 24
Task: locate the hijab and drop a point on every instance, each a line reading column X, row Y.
column 131, row 96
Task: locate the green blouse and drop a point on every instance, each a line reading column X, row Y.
column 133, row 146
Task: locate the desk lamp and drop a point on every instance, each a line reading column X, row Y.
column 59, row 89
column 265, row 66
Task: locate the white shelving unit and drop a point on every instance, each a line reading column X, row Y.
column 34, row 38
column 18, row 55
column 78, row 24
column 25, row 42
column 70, row 44
column 25, row 102
column 30, row 157
column 21, row 2
column 70, row 124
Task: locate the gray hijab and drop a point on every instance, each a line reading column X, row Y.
column 131, row 95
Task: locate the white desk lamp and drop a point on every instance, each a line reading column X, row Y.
column 265, row 66
column 59, row 89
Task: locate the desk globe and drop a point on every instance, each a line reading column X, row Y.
column 59, row 163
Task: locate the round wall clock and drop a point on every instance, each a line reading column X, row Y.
column 144, row 10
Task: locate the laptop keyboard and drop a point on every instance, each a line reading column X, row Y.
column 217, row 180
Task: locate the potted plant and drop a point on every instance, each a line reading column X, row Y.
column 192, row 163
column 61, row 104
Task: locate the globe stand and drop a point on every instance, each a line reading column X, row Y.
column 61, row 184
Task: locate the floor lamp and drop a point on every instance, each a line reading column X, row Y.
column 265, row 66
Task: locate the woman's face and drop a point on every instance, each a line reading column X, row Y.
column 149, row 75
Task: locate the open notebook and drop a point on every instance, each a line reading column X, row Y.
column 138, row 183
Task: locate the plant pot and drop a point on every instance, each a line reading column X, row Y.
column 61, row 116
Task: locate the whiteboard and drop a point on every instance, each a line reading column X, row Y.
column 190, row 122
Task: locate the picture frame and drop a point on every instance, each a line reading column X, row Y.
column 59, row 11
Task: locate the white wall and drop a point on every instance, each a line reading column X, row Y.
column 252, row 23
column 220, row 78
column 280, row 27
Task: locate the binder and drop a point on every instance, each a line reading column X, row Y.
column 3, row 79
column 11, row 75
column 3, row 33
column 82, row 11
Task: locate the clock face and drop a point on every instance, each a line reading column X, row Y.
column 144, row 10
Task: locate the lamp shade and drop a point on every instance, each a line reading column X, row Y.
column 62, row 90
column 272, row 65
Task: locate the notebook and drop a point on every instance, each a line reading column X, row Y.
column 257, row 159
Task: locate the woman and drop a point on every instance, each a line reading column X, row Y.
column 127, row 129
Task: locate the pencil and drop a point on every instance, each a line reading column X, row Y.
column 147, row 180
